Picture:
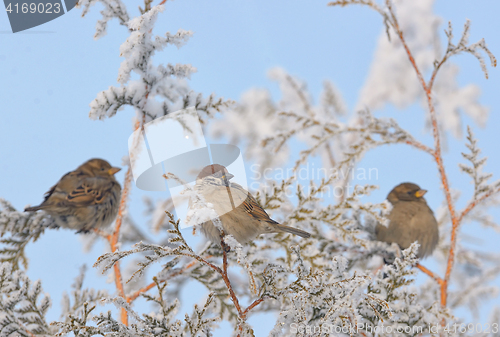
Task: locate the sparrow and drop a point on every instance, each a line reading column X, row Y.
column 411, row 220
column 84, row 199
column 240, row 214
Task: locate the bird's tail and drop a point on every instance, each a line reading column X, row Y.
column 293, row 230
column 33, row 209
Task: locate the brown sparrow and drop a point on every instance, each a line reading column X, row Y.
column 240, row 214
column 85, row 198
column 411, row 220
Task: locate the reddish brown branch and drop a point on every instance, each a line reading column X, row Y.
column 437, row 157
column 251, row 306
column 137, row 293
column 475, row 202
column 113, row 238
column 430, row 273
column 436, row 69
column 420, row 146
column 225, row 278
column 242, row 314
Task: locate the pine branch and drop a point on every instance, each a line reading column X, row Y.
column 17, row 229
column 22, row 310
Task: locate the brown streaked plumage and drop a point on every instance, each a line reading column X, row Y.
column 411, row 220
column 85, row 198
column 240, row 214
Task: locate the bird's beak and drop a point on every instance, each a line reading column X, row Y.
column 420, row 193
column 113, row 170
column 228, row 176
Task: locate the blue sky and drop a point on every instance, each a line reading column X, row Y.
column 50, row 74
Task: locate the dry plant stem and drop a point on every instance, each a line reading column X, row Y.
column 253, row 305
column 234, row 298
column 430, row 273
column 420, row 146
column 242, row 314
column 223, row 273
column 473, row 204
column 137, row 293
column 437, row 157
column 442, row 283
column 113, row 238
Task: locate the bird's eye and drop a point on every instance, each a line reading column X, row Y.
column 410, row 192
column 102, row 168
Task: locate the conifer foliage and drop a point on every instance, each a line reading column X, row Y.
column 328, row 283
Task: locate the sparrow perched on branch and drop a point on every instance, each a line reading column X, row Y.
column 240, row 214
column 85, row 198
column 411, row 220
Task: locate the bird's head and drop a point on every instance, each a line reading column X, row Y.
column 215, row 174
column 406, row 192
column 99, row 168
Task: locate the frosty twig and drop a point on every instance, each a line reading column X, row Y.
column 391, row 20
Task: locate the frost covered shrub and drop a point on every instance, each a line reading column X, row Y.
column 317, row 286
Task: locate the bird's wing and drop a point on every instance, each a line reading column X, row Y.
column 55, row 195
column 424, row 228
column 75, row 190
column 398, row 230
column 249, row 204
column 409, row 222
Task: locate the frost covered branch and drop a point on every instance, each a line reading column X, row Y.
column 22, row 312
column 462, row 47
column 160, row 89
column 482, row 191
column 17, row 229
column 112, row 9
column 325, row 280
column 427, row 87
column 181, row 249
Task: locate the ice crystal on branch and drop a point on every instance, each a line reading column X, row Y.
column 463, row 47
column 388, row 79
column 335, row 278
column 22, row 312
column 80, row 298
column 479, row 178
column 17, row 229
column 112, row 9
column 160, row 89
